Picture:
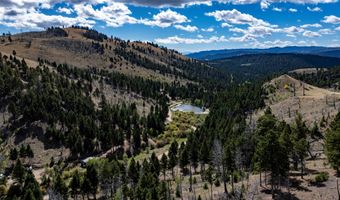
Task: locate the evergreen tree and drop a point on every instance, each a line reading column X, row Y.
column 13, row 155
column 333, row 144
column 164, row 165
column 75, row 184
column 19, row 171
column 92, row 177
column 173, row 157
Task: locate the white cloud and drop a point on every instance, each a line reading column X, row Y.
column 326, row 31
column 316, row 25
column 225, row 24
column 331, row 19
column 236, row 17
column 187, row 28
column 277, row 43
column 65, row 10
column 180, row 40
column 293, row 10
column 315, row 9
column 244, row 38
column 311, row 34
column 165, row 19
column 114, row 14
column 338, row 28
column 182, row 3
column 292, row 30
column 208, row 29
column 264, row 4
column 277, row 9
column 38, row 21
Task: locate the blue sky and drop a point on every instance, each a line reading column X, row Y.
column 187, row 25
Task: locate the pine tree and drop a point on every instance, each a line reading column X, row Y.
column 209, row 176
column 92, row 177
column 164, row 165
column 173, row 157
column 133, row 172
column 75, row 184
column 333, row 144
column 19, row 171
column 13, row 155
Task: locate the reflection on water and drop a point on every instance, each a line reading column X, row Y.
column 188, row 108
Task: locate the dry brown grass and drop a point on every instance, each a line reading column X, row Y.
column 76, row 50
column 311, row 102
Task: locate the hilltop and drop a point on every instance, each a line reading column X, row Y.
column 287, row 97
column 82, row 47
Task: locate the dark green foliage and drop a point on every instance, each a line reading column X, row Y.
column 333, row 144
column 325, row 78
column 13, row 154
column 95, row 35
column 262, row 65
column 19, row 171
column 56, row 32
column 321, row 177
column 93, row 179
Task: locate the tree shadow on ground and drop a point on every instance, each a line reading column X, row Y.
column 285, row 196
column 35, row 131
column 297, row 184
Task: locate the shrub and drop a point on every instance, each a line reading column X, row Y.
column 205, row 186
column 321, row 177
column 217, row 183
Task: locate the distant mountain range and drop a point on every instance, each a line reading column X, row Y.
column 266, row 64
column 227, row 53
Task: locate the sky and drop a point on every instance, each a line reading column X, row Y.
column 186, row 25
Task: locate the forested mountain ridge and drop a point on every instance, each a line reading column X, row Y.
column 83, row 47
column 227, row 53
column 261, row 65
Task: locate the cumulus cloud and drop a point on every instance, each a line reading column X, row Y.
column 244, row 38
column 315, row 9
column 114, row 14
column 225, row 24
column 181, row 40
column 165, row 19
column 293, row 10
column 38, row 21
column 316, row 25
column 331, row 19
column 187, row 28
column 326, row 31
column 65, row 10
column 337, row 28
column 311, row 34
column 236, row 17
column 182, row 3
column 274, row 43
column 208, row 29
column 277, row 9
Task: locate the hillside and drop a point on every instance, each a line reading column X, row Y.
column 325, row 78
column 262, row 65
column 82, row 47
column 288, row 97
column 227, row 53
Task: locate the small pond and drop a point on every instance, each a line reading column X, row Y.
column 188, row 108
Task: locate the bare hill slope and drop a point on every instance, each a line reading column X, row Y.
column 81, row 47
column 288, row 96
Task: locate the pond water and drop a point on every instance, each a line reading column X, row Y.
column 188, row 108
